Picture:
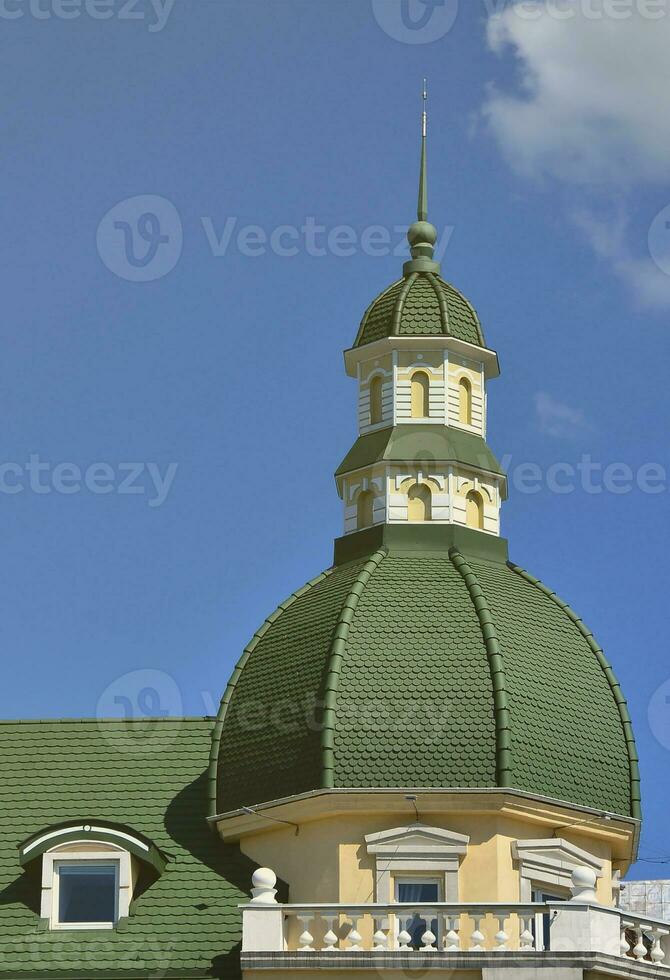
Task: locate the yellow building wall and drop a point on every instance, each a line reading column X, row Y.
column 328, row 860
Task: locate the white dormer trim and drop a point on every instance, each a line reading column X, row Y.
column 550, row 862
column 416, row 850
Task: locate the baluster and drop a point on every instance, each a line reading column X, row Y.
column 657, row 952
column 380, row 938
column 527, row 939
column 452, row 939
column 429, row 939
column 330, row 938
column 501, row 936
column 306, row 937
column 404, row 940
column 477, row 937
column 624, row 945
column 354, row 936
column 639, row 950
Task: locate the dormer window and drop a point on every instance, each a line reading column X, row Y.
column 85, row 894
column 91, row 873
column 86, row 886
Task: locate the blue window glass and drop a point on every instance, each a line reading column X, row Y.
column 418, row 893
column 87, row 893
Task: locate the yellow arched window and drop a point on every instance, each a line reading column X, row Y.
column 474, row 510
column 465, row 401
column 376, row 400
column 419, row 503
column 420, row 390
column 365, row 509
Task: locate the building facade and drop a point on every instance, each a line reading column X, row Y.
column 422, row 762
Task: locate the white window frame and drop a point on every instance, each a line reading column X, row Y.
column 418, row 852
column 68, row 855
column 425, row 879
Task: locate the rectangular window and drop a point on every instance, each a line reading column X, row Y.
column 87, row 893
column 420, row 892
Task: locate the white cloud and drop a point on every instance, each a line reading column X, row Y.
column 607, row 236
column 558, row 419
column 593, row 101
column 590, row 110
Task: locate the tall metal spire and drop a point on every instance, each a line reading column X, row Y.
column 422, row 235
column 422, row 210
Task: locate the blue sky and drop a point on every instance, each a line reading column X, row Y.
column 548, row 165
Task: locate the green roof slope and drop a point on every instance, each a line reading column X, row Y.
column 422, row 305
column 148, row 776
column 434, row 670
column 420, row 443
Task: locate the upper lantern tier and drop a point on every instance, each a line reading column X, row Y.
column 421, row 304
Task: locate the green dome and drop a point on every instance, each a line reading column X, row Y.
column 424, row 669
column 421, row 305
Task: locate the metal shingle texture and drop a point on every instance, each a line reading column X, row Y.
column 422, row 306
column 147, row 775
column 414, row 703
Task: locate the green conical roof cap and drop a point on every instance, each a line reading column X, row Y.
column 421, row 305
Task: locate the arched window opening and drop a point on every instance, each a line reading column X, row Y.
column 366, row 504
column 474, row 513
column 419, row 503
column 465, row 401
column 376, row 400
column 420, row 393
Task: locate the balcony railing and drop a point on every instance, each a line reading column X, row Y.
column 580, row 925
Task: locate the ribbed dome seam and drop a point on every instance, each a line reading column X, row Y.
column 502, row 715
column 334, row 666
column 212, row 771
column 441, row 299
column 617, row 694
column 400, row 303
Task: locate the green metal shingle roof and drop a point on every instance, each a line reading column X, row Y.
column 420, row 443
column 431, row 670
column 148, row 776
column 422, row 305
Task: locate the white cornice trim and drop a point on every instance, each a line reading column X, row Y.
column 355, row 355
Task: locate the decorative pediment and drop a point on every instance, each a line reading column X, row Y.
column 416, row 849
column 554, row 853
column 550, row 863
column 416, row 840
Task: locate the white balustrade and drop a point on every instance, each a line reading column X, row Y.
column 580, row 925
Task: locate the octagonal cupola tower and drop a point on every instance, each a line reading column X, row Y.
column 422, row 367
column 422, row 664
